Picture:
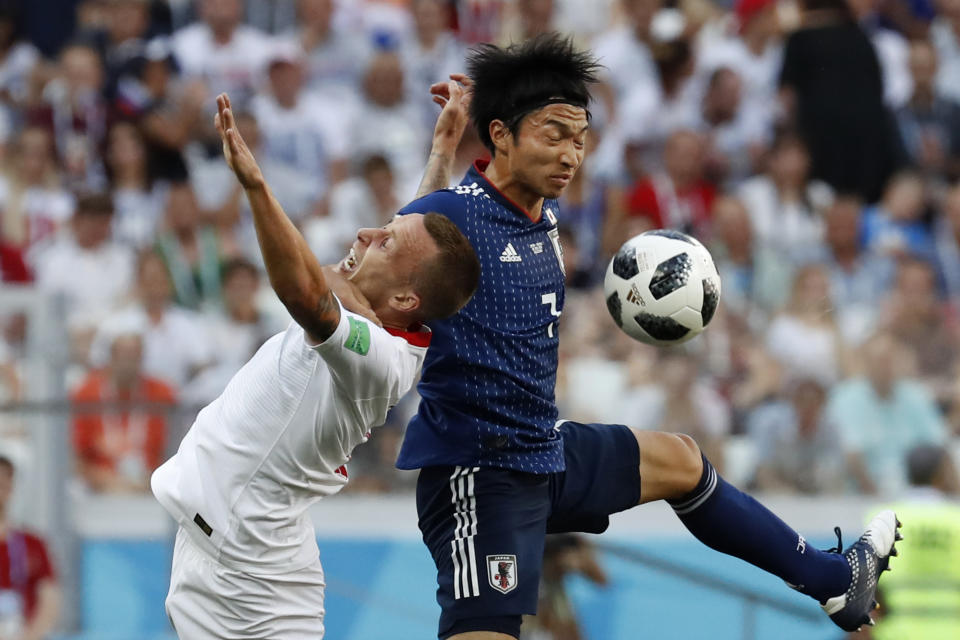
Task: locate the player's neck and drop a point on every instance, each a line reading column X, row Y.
column 499, row 175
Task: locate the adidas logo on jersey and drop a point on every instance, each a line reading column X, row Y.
column 510, row 254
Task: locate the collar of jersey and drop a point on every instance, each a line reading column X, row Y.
column 479, row 166
column 419, row 336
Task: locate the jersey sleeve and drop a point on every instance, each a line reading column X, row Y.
column 370, row 369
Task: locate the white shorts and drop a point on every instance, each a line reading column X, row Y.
column 209, row 600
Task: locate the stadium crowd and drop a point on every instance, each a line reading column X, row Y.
column 814, row 147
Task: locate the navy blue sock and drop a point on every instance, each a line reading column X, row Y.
column 729, row 521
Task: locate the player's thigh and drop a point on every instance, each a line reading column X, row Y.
column 670, row 464
column 485, row 529
column 481, row 635
column 601, row 477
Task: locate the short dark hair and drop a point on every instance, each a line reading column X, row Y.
column 7, row 463
column 511, row 82
column 923, row 464
column 447, row 281
column 94, row 204
column 235, row 266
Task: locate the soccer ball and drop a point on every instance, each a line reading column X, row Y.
column 662, row 287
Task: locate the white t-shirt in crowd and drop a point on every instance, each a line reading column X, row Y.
column 627, row 61
column 277, row 440
column 794, row 228
column 236, row 67
column 307, row 137
column 93, row 281
column 173, row 349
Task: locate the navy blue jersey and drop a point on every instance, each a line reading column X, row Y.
column 488, row 379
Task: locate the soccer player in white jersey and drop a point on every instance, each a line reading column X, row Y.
column 246, row 562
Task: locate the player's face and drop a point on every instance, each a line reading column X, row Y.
column 548, row 149
column 383, row 261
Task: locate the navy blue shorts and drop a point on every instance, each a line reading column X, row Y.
column 485, row 527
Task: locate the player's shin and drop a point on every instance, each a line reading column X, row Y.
column 730, row 521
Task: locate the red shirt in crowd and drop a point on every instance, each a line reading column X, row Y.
column 24, row 564
column 667, row 207
column 105, row 438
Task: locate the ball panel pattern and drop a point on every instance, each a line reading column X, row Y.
column 660, row 327
column 625, row 263
column 711, row 298
column 671, row 274
column 615, row 308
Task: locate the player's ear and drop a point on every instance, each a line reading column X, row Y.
column 501, row 135
column 405, row 301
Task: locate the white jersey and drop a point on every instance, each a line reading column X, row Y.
column 278, row 438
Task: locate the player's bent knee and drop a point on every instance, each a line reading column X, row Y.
column 690, row 461
column 670, row 465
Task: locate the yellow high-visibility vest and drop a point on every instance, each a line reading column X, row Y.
column 921, row 593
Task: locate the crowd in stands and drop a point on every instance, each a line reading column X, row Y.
column 813, row 146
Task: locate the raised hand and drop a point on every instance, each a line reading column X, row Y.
column 235, row 150
column 454, row 96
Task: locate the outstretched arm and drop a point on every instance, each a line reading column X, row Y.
column 454, row 96
column 294, row 273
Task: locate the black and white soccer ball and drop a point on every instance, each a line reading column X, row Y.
column 662, row 287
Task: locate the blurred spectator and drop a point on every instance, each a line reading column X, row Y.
column 916, row 317
column 227, row 55
column 920, row 598
column 755, row 278
column 805, row 338
column 735, row 136
column 945, row 37
column 33, row 204
column 125, row 38
column 564, row 555
column 388, row 124
column 138, row 202
column 18, row 59
column 431, row 55
column 176, row 346
column 299, row 129
column 785, row 204
column 29, row 594
column 680, row 197
column 833, row 89
column 189, row 248
column 624, row 51
column 895, row 226
column 947, row 240
column 881, row 415
column 528, row 19
column 650, row 113
column 91, row 272
column 891, row 48
column 750, row 47
column 168, row 113
column 858, row 279
column 235, row 333
column 336, row 58
column 930, row 121
column 679, row 401
column 797, row 444
column 368, row 200
column 119, row 445
column 73, row 109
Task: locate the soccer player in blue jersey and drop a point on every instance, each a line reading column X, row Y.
column 498, row 469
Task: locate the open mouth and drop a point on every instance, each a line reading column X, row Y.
column 350, row 263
